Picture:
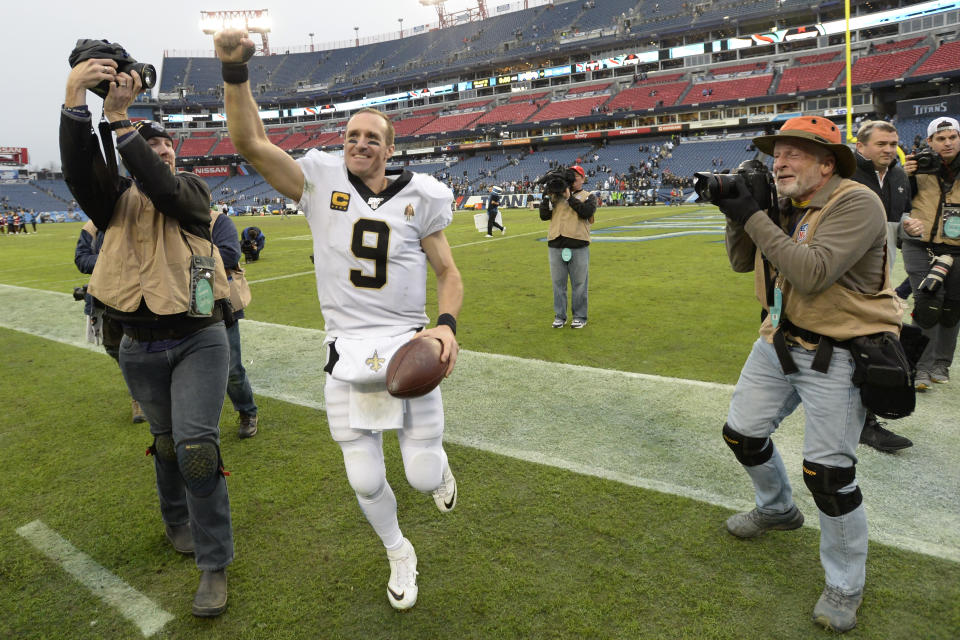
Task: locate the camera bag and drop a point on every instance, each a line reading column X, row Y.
column 884, row 374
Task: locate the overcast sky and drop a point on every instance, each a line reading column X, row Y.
column 39, row 35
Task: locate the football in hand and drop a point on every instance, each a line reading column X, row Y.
column 415, row 369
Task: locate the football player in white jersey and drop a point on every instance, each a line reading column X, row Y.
column 373, row 235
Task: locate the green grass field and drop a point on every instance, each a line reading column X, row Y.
column 594, row 484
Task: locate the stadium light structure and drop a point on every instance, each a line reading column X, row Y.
column 253, row 20
column 449, row 19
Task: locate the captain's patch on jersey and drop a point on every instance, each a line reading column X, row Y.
column 339, row 200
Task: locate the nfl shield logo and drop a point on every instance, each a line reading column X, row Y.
column 802, row 232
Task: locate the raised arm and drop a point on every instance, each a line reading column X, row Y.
column 234, row 47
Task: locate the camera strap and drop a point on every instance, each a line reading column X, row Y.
column 109, row 152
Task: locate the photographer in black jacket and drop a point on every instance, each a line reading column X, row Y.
column 159, row 275
column 878, row 169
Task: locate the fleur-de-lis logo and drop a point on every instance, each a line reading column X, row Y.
column 375, row 362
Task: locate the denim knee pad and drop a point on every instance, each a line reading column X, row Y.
column 749, row 451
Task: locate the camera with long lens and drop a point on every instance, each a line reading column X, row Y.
column 558, row 180
column 714, row 187
column 86, row 49
column 928, row 161
column 939, row 269
column 79, row 292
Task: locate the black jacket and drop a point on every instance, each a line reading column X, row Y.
column 895, row 193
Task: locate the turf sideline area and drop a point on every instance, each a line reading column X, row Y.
column 647, row 431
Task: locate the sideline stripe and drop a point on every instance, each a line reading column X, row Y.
column 132, row 605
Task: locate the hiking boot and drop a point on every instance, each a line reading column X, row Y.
column 922, row 382
column 402, row 587
column 874, row 435
column 180, row 537
column 558, row 323
column 836, row 610
column 751, row 524
column 211, row 597
column 940, row 374
column 138, row 414
column 248, row 425
column 446, row 494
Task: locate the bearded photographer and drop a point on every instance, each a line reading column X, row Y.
column 570, row 213
column 159, row 275
column 931, row 246
column 821, row 278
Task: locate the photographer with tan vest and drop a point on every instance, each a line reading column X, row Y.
column 160, row 276
column 821, row 276
column 570, row 213
column 931, row 247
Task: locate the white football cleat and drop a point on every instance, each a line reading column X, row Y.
column 402, row 587
column 446, row 494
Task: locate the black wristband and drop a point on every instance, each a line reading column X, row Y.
column 120, row 124
column 234, row 72
column 448, row 320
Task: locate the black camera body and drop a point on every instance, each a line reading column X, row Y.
column 713, row 187
column 86, row 49
column 558, row 180
column 928, row 161
column 79, row 292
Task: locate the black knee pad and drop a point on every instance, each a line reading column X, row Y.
column 825, row 483
column 950, row 313
column 200, row 467
column 163, row 449
column 749, row 451
column 926, row 310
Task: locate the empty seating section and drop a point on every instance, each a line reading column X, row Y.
column 204, row 75
column 173, row 71
column 661, row 78
column 224, row 148
column 553, row 18
column 295, row 141
column 30, row 196
column 528, row 96
column 603, row 14
column 457, row 122
column 816, row 58
column 510, row 113
column 946, row 58
column 810, row 77
column 568, row 109
column 740, row 68
column 894, row 46
column 887, row 66
column 276, row 135
column 295, row 68
column 722, row 90
column 409, row 126
column 329, row 139
column 690, row 157
column 196, row 146
column 648, row 96
column 472, row 105
column 332, row 63
column 592, row 88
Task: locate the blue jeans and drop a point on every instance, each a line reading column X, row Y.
column 238, row 386
column 578, row 271
column 763, row 397
column 181, row 392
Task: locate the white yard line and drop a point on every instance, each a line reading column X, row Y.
column 130, row 603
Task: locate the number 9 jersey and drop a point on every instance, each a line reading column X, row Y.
column 371, row 270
